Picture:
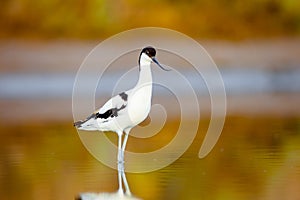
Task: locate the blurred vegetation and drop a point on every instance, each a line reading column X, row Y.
column 231, row 19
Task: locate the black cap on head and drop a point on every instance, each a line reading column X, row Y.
column 150, row 51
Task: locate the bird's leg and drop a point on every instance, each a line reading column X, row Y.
column 120, row 157
column 123, row 174
column 126, row 184
column 120, row 190
column 120, row 164
column 124, row 143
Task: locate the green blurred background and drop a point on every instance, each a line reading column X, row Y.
column 94, row 19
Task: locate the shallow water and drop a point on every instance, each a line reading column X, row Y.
column 255, row 158
column 237, row 81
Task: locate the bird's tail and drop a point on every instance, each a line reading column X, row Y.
column 90, row 124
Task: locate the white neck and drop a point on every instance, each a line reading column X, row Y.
column 140, row 103
column 145, row 77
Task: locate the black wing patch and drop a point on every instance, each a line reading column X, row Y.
column 109, row 113
column 78, row 123
column 124, row 96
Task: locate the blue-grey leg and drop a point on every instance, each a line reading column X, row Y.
column 125, row 141
column 126, row 184
column 123, row 174
column 120, row 154
column 120, row 163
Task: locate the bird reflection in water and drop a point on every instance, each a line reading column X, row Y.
column 110, row 196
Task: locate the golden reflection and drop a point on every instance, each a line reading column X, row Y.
column 254, row 158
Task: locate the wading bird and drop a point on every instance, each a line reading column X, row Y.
column 125, row 110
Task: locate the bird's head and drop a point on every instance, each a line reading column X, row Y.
column 147, row 56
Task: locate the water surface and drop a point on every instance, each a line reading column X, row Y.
column 255, row 158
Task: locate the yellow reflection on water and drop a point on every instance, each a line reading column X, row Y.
column 255, row 158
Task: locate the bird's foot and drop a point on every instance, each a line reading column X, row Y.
column 120, row 192
column 128, row 193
